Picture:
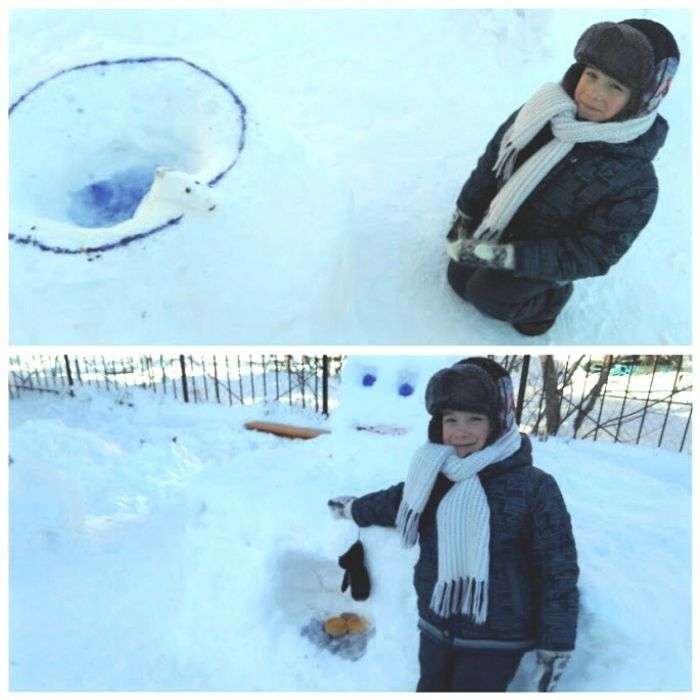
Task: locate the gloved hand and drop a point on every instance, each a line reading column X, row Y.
column 461, row 226
column 356, row 574
column 477, row 253
column 340, row 507
column 550, row 665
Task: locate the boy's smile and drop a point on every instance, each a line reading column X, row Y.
column 599, row 97
column 466, row 431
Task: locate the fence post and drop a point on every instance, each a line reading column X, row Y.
column 609, row 362
column 670, row 399
column 69, row 375
column 524, row 370
column 326, row 372
column 687, row 425
column 624, row 401
column 183, row 372
column 216, row 381
column 646, row 403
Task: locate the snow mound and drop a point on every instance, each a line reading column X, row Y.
column 103, row 153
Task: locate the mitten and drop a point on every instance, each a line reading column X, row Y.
column 341, row 507
column 477, row 253
column 461, row 226
column 550, row 665
column 356, row 574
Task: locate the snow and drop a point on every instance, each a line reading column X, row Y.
column 156, row 545
column 362, row 127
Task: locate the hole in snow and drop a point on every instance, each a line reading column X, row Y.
column 305, row 583
column 108, row 202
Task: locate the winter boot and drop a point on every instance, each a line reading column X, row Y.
column 534, row 327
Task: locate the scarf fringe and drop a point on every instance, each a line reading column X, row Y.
column 407, row 522
column 463, row 596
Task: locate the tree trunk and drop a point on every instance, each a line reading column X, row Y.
column 589, row 402
column 552, row 393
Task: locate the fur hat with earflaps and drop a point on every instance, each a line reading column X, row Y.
column 640, row 53
column 475, row 384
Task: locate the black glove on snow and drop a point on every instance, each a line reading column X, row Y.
column 356, row 574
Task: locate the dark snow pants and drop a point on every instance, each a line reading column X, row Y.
column 502, row 295
column 444, row 668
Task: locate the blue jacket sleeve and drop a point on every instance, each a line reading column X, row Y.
column 481, row 187
column 600, row 240
column 555, row 561
column 378, row 508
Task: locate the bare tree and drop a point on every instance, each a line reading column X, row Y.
column 589, row 401
column 556, row 378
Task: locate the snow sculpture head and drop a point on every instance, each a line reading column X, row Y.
column 175, row 189
column 385, row 392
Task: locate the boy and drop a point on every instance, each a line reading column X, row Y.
column 567, row 182
column 497, row 570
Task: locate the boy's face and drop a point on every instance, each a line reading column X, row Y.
column 599, row 97
column 467, row 432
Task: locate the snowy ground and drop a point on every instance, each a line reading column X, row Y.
column 363, row 125
column 161, row 546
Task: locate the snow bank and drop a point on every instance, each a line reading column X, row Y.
column 161, row 546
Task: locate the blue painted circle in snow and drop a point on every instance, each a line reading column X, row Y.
column 368, row 379
column 53, row 109
column 406, row 389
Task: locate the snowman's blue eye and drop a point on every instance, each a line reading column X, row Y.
column 368, row 379
column 405, row 389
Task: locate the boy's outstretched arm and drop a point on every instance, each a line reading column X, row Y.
column 377, row 508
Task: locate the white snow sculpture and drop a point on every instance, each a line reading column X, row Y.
column 174, row 191
column 385, row 394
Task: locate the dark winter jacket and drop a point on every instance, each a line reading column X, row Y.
column 586, row 212
column 533, row 569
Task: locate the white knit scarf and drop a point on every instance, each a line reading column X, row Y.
column 551, row 104
column 462, row 521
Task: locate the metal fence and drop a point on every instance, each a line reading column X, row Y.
column 231, row 380
column 624, row 398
